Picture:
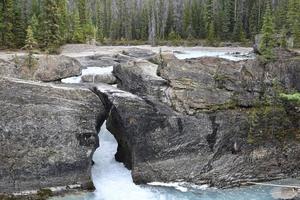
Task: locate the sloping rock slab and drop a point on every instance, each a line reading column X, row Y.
column 47, row 134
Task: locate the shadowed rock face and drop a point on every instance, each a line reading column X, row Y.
column 47, row 134
column 216, row 126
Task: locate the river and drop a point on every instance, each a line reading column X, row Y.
column 113, row 182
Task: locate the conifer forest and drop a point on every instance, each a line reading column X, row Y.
column 47, row 24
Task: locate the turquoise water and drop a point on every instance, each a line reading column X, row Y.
column 113, row 182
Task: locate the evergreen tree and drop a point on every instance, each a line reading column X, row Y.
column 82, row 11
column 198, row 19
column 187, row 18
column 1, row 23
column 63, row 20
column 8, row 19
column 18, row 26
column 78, row 35
column 99, row 22
column 144, row 24
column 51, row 19
column 170, row 20
column 283, row 42
column 89, row 31
column 228, row 18
column 293, row 19
column 254, row 20
column 211, row 37
column 238, row 31
column 267, row 43
column 30, row 42
column 34, row 23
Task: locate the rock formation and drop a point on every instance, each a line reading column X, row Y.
column 214, row 121
column 45, row 68
column 48, row 134
column 205, row 120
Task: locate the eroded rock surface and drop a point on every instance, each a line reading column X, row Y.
column 223, row 124
column 47, row 134
column 140, row 77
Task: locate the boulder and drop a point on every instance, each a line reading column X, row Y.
column 53, row 68
column 40, row 67
column 139, row 77
column 48, row 134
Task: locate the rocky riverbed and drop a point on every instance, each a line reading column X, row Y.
column 204, row 120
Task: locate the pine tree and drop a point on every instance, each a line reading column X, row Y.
column 199, row 23
column 152, row 25
column 51, row 19
column 89, row 31
column 211, row 37
column 187, row 18
column 99, row 22
column 63, row 20
column 107, row 18
column 238, row 31
column 283, row 39
column 82, row 10
column 18, row 26
column 227, row 19
column 8, row 19
column 267, row 43
column 30, row 42
column 254, row 28
column 1, row 23
column 170, row 26
column 78, row 35
column 34, row 23
column 293, row 19
column 144, row 24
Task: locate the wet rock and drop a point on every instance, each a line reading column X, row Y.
column 48, row 134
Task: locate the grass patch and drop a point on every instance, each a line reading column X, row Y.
column 291, row 97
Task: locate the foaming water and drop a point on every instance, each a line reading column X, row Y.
column 114, row 182
column 220, row 54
